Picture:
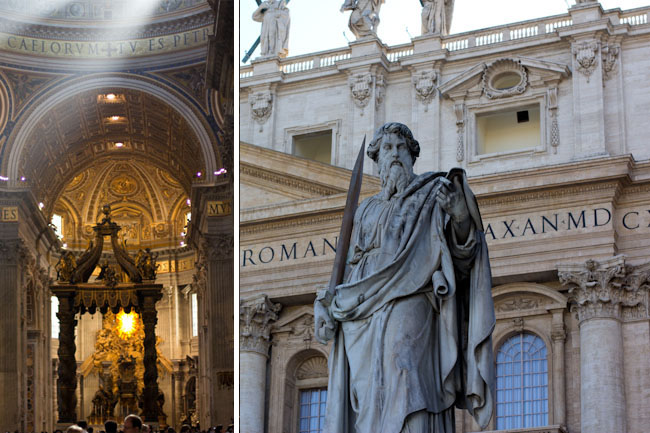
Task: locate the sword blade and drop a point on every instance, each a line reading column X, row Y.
column 351, row 204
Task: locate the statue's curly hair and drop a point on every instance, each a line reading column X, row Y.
column 397, row 128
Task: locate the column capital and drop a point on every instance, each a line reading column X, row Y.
column 255, row 317
column 606, row 289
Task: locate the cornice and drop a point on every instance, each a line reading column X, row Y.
column 282, row 179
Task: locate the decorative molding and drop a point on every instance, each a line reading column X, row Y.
column 255, row 317
column 218, row 246
column 261, row 102
column 546, row 194
column 585, row 55
column 459, row 110
column 499, row 68
column 552, row 111
column 380, row 90
column 360, row 88
column 313, row 368
column 279, row 179
column 292, row 222
column 607, row 289
column 519, row 304
column 609, row 54
column 424, row 83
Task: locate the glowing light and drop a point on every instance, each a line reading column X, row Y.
column 119, row 144
column 65, row 245
column 188, row 202
column 220, row 171
column 110, row 96
column 115, row 118
column 4, row 178
column 182, row 243
column 41, row 205
column 22, row 178
column 126, row 324
column 183, row 234
column 198, row 174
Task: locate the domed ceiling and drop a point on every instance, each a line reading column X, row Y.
column 108, row 124
column 146, row 201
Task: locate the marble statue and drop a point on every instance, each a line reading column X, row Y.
column 412, row 321
column 364, row 18
column 274, row 16
column 436, row 16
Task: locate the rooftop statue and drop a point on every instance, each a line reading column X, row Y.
column 364, row 18
column 413, row 318
column 436, row 16
column 274, row 16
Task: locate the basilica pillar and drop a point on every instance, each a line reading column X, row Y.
column 255, row 317
column 558, row 335
column 211, row 232
column 147, row 303
column 602, row 293
column 67, row 369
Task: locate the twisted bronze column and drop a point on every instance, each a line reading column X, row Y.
column 67, row 370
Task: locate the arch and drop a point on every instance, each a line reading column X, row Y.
column 5, row 106
column 522, row 382
column 100, row 81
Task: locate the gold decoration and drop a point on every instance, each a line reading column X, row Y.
column 123, row 185
column 127, row 324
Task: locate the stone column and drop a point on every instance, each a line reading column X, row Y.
column 255, row 317
column 147, row 303
column 602, row 293
column 67, row 370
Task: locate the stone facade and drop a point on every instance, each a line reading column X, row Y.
column 566, row 215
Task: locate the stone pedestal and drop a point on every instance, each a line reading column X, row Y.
column 255, row 317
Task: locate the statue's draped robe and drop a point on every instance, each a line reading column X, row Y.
column 274, row 38
column 415, row 317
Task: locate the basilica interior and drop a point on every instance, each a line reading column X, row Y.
column 116, row 217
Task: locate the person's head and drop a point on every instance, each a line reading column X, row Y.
column 146, row 428
column 394, row 150
column 83, row 424
column 110, row 426
column 185, row 428
column 132, row 424
column 90, row 430
column 74, row 429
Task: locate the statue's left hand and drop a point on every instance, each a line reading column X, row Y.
column 450, row 196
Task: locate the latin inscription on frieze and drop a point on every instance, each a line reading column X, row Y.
column 8, row 214
column 103, row 49
column 498, row 230
column 219, row 208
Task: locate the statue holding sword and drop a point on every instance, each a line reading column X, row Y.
column 409, row 305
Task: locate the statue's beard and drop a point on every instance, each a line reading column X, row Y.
column 394, row 179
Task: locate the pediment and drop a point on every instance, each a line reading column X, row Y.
column 298, row 323
column 471, row 84
column 269, row 177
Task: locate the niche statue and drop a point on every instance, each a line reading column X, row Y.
column 413, row 317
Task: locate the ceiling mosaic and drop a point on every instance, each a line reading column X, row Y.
column 108, row 124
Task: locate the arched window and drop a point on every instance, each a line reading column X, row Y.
column 522, row 383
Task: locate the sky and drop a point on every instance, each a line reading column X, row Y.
column 317, row 25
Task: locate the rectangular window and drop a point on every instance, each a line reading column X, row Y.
column 508, row 131
column 316, row 146
column 55, row 320
column 195, row 314
column 312, row 410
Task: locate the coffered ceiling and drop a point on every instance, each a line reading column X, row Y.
column 106, row 125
